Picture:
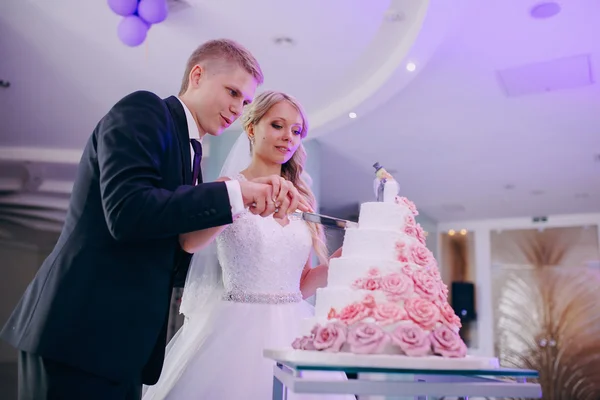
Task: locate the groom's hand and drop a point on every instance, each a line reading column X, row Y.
column 286, row 198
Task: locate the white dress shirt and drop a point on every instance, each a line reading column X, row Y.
column 233, row 187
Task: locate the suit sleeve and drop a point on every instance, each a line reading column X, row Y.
column 132, row 142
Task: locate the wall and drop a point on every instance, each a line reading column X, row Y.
column 218, row 149
column 20, row 262
column 482, row 230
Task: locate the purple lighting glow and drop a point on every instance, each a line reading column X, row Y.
column 545, row 10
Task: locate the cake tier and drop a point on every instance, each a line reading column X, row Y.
column 373, row 243
column 385, row 245
column 371, row 336
column 387, row 216
column 352, row 305
column 345, row 271
column 410, row 325
column 338, row 298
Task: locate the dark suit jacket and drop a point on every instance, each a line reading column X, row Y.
column 100, row 301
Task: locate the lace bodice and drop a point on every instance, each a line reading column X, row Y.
column 259, row 256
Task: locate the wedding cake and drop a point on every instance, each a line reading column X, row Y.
column 384, row 294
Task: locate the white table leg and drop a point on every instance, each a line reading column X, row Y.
column 279, row 389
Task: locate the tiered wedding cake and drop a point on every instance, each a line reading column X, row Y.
column 385, row 294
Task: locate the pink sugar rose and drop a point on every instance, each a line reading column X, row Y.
column 423, row 312
column 388, row 313
column 371, row 284
column 404, row 201
column 374, row 272
column 396, row 286
column 409, row 220
column 412, row 340
column 420, row 234
column 447, row 343
column 303, row 343
column 410, row 230
column 357, row 284
column 433, row 271
column 426, row 285
column 448, row 315
column 443, row 291
column 369, row 301
column 410, row 226
column 330, row 337
column 401, row 252
column 366, row 284
column 367, row 338
column 421, row 255
column 353, row 313
column 407, row 270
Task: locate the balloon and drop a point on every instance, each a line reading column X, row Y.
column 153, row 11
column 123, row 7
column 132, row 30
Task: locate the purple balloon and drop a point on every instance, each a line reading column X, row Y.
column 123, row 7
column 132, row 30
column 153, row 11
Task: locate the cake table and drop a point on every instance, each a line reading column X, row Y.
column 397, row 377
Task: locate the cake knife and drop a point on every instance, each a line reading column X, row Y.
column 324, row 220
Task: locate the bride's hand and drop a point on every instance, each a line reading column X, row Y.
column 286, row 198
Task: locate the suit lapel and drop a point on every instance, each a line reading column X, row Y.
column 183, row 136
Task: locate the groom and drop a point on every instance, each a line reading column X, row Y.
column 92, row 324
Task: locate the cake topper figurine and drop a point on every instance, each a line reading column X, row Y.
column 385, row 186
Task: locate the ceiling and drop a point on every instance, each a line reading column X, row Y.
column 66, row 67
column 503, row 121
column 452, row 133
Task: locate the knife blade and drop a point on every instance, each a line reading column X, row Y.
column 324, row 220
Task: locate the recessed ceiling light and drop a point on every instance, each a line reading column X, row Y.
column 597, row 158
column 451, row 232
column 510, row 186
column 394, row 16
column 582, row 195
column 463, row 232
column 411, row 67
column 352, row 115
column 537, row 192
column 544, row 10
column 284, row 41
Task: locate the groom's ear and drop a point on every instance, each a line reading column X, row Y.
column 196, row 73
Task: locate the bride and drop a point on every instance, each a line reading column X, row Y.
column 245, row 290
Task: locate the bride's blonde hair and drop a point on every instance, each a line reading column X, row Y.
column 291, row 170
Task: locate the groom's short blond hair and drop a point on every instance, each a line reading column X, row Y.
column 225, row 50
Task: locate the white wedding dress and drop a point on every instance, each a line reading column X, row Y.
column 261, row 307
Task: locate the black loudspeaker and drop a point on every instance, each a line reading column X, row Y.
column 463, row 300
